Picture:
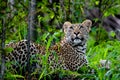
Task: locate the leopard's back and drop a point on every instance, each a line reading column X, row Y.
column 18, row 56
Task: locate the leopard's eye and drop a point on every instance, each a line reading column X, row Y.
column 71, row 27
column 80, row 26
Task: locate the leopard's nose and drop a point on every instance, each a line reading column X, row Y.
column 76, row 33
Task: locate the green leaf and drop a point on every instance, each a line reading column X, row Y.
column 97, row 2
column 52, row 15
column 112, row 34
column 42, row 75
column 49, row 42
column 8, row 49
column 15, row 76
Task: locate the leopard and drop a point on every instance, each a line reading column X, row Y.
column 70, row 51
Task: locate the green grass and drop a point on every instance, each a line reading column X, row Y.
column 104, row 49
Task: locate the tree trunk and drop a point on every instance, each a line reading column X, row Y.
column 3, row 52
column 31, row 31
column 32, row 20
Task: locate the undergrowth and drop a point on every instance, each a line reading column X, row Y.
column 96, row 50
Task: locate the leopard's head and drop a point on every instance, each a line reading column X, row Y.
column 77, row 34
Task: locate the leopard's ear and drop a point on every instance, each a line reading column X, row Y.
column 66, row 25
column 87, row 23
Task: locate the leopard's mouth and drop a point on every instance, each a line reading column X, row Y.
column 77, row 40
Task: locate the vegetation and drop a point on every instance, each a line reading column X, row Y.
column 49, row 17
